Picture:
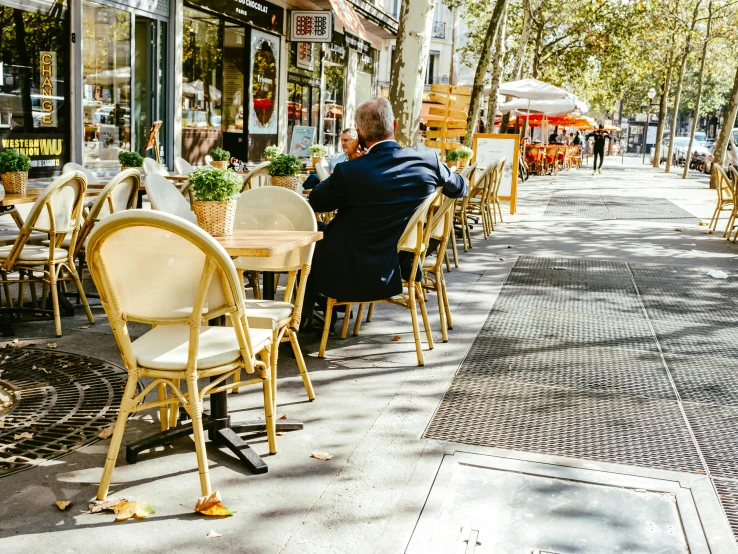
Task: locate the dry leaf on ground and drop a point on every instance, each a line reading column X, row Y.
column 105, row 433
column 213, row 534
column 128, row 510
column 212, row 505
column 24, row 435
column 284, row 416
column 396, row 338
column 677, row 229
column 321, row 456
column 107, row 504
column 62, row 504
column 85, row 387
column 50, row 345
column 703, row 224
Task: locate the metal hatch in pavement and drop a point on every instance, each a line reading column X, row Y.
column 483, row 504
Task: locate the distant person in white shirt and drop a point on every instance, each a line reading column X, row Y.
column 347, row 137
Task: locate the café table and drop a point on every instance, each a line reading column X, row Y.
column 255, row 243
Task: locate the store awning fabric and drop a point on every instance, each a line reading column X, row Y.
column 561, row 106
column 532, row 89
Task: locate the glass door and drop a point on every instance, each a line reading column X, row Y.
column 149, row 68
column 234, row 70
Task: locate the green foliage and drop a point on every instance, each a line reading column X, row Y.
column 12, row 161
column 211, row 184
column 317, row 150
column 272, row 151
column 130, row 159
column 453, row 155
column 465, row 153
column 220, row 155
column 284, row 165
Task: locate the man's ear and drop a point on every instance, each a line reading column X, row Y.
column 394, row 127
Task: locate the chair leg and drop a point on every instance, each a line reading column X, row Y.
column 301, row 365
column 120, row 426
column 446, row 259
column 714, row 220
column 163, row 410
column 6, row 289
column 55, row 302
column 346, row 321
column 359, row 315
column 416, row 330
column 174, row 408
column 447, row 308
column 274, row 359
column 21, row 288
column 195, row 411
column 499, row 208
column 424, row 313
column 271, row 424
column 82, row 297
column 44, row 294
column 454, row 247
column 441, row 310
column 34, row 296
column 326, row 327
column 370, row 313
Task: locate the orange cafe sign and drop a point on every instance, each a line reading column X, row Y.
column 48, row 89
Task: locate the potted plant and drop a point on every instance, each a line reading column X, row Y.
column 130, row 160
column 452, row 157
column 284, row 169
column 271, row 152
column 14, row 168
column 317, row 151
column 220, row 157
column 216, row 193
column 465, row 154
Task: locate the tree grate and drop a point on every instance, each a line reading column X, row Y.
column 616, row 207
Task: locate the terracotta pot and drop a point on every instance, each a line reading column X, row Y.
column 451, row 163
column 216, row 217
column 219, row 165
column 15, row 182
column 463, row 162
column 286, row 182
column 317, row 160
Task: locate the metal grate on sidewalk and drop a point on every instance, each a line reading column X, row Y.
column 616, row 207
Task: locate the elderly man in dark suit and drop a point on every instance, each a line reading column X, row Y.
column 375, row 192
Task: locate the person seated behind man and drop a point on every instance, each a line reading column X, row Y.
column 577, row 140
column 375, row 192
column 347, row 137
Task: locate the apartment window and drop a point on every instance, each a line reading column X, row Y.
column 431, row 71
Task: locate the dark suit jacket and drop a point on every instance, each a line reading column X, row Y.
column 375, row 196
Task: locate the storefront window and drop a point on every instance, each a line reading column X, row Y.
column 263, row 124
column 33, row 91
column 202, row 83
column 333, row 107
column 303, row 88
column 106, row 84
column 364, row 89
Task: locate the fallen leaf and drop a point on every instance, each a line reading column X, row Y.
column 677, row 229
column 280, row 433
column 24, row 435
column 708, row 232
column 85, row 327
column 105, row 433
column 375, row 365
column 509, row 246
column 702, row 224
column 284, row 416
column 321, row 456
column 128, row 510
column 50, row 345
column 502, row 259
column 396, row 338
column 62, row 504
column 213, row 535
column 97, row 506
column 212, row 505
column 85, row 387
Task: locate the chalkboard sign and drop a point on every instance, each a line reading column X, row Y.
column 489, row 148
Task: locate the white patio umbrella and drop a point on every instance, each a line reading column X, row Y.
column 562, row 106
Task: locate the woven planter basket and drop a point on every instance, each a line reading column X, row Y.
column 216, row 217
column 219, row 165
column 286, row 182
column 452, row 163
column 317, row 160
column 15, row 182
column 463, row 162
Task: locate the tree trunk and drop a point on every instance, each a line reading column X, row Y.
column 698, row 102
column 663, row 110
column 517, row 73
column 680, row 82
column 537, row 50
column 496, row 74
column 482, row 65
column 408, row 68
column 453, row 78
column 726, row 131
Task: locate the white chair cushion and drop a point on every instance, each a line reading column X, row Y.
column 8, row 237
column 166, row 346
column 267, row 314
column 32, row 253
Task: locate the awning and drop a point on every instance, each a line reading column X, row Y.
column 532, row 89
column 561, row 106
column 348, row 17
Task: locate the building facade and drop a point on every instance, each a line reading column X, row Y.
column 81, row 80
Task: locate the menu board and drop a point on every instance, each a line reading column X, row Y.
column 489, row 148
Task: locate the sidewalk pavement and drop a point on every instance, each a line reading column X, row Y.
column 372, row 405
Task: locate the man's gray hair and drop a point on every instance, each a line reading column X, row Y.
column 350, row 131
column 375, row 120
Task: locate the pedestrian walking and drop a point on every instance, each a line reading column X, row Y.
column 599, row 136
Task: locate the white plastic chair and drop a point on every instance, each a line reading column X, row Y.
column 257, row 177
column 182, row 166
column 165, row 197
column 276, row 208
column 190, row 280
column 72, row 167
column 152, row 167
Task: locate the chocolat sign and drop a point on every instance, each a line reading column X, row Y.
column 255, row 12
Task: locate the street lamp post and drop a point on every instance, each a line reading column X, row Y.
column 651, row 95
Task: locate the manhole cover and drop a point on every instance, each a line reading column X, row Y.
column 52, row 403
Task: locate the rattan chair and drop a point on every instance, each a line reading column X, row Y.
column 165, row 197
column 190, row 281
column 182, row 166
column 257, row 177
column 276, row 208
column 89, row 175
column 733, row 177
column 494, row 205
column 468, row 174
column 725, row 198
column 56, row 213
column 476, row 203
column 414, row 240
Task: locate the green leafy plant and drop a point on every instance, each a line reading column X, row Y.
column 284, row 165
column 211, row 184
column 317, row 150
column 465, row 153
column 452, row 155
column 130, row 159
column 272, row 151
column 12, row 161
column 220, row 155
